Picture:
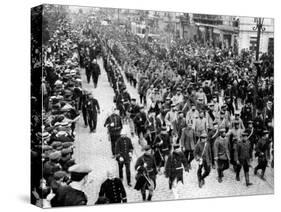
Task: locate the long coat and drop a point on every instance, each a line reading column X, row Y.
column 174, row 167
column 123, row 148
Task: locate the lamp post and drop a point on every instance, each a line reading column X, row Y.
column 259, row 27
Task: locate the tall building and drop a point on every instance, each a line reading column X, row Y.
column 248, row 36
column 219, row 30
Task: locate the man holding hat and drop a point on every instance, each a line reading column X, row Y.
column 123, row 152
column 221, row 154
column 203, row 154
column 72, row 194
column 242, row 157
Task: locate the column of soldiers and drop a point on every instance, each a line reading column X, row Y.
column 185, row 120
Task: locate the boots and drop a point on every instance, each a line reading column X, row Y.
column 237, row 177
column 247, row 179
column 149, row 197
column 262, row 175
column 255, row 171
column 143, row 196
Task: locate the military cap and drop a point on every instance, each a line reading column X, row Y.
column 44, row 135
column 222, row 130
column 236, row 113
column 57, row 124
column 173, row 105
column 65, row 124
column 57, row 144
column 146, row 147
column 67, row 145
column 215, row 123
column 66, row 151
column 179, row 89
column 250, row 122
column 168, row 98
column 46, row 148
column 211, row 104
column 60, row 175
column 79, row 168
column 55, row 155
column 203, row 135
column 133, row 99
column 141, row 107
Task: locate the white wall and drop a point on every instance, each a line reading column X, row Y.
column 246, row 31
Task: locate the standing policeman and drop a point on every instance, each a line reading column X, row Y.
column 112, row 189
column 114, row 125
column 93, row 109
column 123, row 151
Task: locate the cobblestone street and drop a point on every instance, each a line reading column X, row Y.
column 94, row 149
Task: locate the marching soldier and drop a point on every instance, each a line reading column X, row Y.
column 175, row 165
column 146, row 173
column 95, row 72
column 188, row 143
column 123, row 153
column 213, row 134
column 242, row 157
column 203, row 155
column 151, row 126
column 114, row 125
column 112, row 189
column 162, row 147
column 140, row 121
column 93, row 109
column 262, row 154
column 221, row 154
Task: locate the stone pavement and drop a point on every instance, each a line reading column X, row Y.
column 94, row 149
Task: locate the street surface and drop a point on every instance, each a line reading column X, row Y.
column 94, row 149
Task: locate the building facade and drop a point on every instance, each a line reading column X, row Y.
column 247, row 38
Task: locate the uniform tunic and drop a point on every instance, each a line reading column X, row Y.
column 113, row 190
column 174, row 167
